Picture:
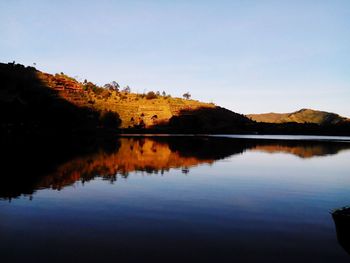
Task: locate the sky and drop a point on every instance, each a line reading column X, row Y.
column 248, row 56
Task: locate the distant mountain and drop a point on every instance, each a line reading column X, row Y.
column 301, row 116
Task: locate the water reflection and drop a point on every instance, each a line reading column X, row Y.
column 26, row 173
column 145, row 155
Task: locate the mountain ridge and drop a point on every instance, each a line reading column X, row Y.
column 303, row 115
column 38, row 103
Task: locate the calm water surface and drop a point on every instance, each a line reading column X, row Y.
column 178, row 199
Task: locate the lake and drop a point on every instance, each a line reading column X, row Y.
column 176, row 199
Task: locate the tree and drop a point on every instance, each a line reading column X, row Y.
column 163, row 93
column 89, row 86
column 186, row 95
column 113, row 86
column 127, row 89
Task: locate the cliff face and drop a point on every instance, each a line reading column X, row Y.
column 301, row 116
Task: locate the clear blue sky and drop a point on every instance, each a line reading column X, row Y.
column 249, row 56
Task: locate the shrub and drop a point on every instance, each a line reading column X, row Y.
column 109, row 119
column 151, row 95
column 92, row 87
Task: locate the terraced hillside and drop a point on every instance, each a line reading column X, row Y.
column 59, row 96
column 134, row 110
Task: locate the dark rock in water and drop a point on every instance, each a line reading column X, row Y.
column 341, row 219
column 342, row 212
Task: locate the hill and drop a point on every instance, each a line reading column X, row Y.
column 301, row 116
column 37, row 103
column 31, row 100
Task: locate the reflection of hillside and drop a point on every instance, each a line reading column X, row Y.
column 54, row 165
column 27, row 160
column 133, row 155
column 305, row 151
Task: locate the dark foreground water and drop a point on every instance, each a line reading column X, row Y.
column 183, row 199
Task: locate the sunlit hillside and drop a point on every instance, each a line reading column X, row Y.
column 301, row 116
column 131, row 110
column 34, row 102
column 135, row 110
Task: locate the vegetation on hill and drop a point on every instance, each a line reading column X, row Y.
column 301, row 116
column 32, row 99
column 34, row 102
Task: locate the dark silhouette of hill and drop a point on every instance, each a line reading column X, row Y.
column 30, row 105
column 293, row 128
column 301, row 116
column 206, row 120
column 32, row 165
